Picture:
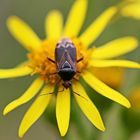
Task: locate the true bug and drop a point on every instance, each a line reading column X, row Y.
column 65, row 60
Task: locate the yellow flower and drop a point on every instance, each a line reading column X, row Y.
column 38, row 64
column 131, row 8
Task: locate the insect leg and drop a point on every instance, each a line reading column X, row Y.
column 58, row 81
column 78, row 71
column 51, row 92
column 79, row 95
column 51, row 73
column 51, row 60
column 75, row 79
column 46, row 94
column 80, row 59
column 61, row 90
column 47, row 75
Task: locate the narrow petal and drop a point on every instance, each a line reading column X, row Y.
column 76, row 18
column 25, row 63
column 105, row 90
column 15, row 72
column 97, row 27
column 54, row 24
column 27, row 95
column 23, row 33
column 36, row 110
column 132, row 10
column 116, row 48
column 87, row 106
column 63, row 111
column 114, row 63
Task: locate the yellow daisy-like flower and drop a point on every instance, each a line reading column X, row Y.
column 37, row 63
column 131, row 8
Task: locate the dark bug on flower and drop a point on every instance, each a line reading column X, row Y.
column 65, row 60
column 65, row 57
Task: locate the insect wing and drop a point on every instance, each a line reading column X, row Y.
column 65, row 57
column 59, row 53
column 72, row 53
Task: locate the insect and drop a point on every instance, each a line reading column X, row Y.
column 66, row 60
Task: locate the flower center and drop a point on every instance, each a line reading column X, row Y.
column 41, row 65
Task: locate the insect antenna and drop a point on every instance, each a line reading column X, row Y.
column 80, row 95
column 52, row 92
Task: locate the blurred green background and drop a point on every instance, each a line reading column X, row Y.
column 121, row 124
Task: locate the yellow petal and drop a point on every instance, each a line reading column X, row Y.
column 97, row 27
column 25, row 63
column 28, row 95
column 131, row 10
column 115, row 48
column 54, row 24
column 36, row 110
column 76, row 18
column 106, row 91
column 88, row 108
column 63, row 111
column 114, row 63
column 23, row 33
column 15, row 72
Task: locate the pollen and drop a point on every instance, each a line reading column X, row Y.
column 40, row 63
